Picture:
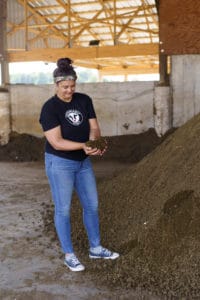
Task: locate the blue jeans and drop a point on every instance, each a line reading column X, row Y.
column 64, row 176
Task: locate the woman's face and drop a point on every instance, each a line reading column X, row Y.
column 65, row 89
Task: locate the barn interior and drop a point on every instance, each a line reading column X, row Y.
column 148, row 180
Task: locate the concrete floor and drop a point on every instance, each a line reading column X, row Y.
column 30, row 267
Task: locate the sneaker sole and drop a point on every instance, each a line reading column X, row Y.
column 77, row 269
column 99, row 257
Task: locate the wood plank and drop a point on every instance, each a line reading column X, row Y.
column 52, row 54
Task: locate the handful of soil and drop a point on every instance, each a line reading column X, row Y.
column 99, row 143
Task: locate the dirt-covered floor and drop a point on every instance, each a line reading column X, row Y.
column 149, row 210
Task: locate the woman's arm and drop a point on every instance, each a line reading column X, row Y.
column 95, row 132
column 56, row 140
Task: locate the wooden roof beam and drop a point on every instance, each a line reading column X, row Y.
column 49, row 54
column 39, row 16
column 133, row 70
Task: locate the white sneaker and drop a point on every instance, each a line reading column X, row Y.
column 101, row 252
column 72, row 262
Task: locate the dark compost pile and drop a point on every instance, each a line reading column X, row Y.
column 150, row 213
column 130, row 148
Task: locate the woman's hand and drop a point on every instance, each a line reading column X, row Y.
column 99, row 146
column 104, row 150
column 91, row 151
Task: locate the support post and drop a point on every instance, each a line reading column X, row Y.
column 3, row 58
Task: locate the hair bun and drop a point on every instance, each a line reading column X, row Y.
column 64, row 63
column 64, row 68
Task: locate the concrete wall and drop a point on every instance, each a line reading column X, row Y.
column 122, row 108
column 185, row 85
column 26, row 102
column 4, row 117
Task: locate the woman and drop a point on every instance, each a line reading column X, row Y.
column 68, row 120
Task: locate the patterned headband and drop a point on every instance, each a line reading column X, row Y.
column 67, row 77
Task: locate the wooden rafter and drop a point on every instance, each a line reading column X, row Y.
column 70, row 26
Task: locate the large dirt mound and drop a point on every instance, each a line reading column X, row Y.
column 150, row 213
column 155, row 211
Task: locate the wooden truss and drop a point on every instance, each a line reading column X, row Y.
column 114, row 36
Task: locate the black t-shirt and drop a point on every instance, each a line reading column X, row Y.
column 73, row 118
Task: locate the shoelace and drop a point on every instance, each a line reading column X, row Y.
column 75, row 260
column 106, row 251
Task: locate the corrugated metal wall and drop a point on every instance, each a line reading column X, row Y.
column 17, row 39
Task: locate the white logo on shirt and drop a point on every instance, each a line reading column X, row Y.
column 74, row 117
